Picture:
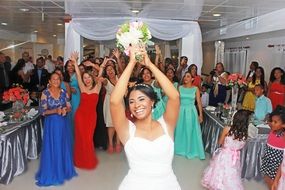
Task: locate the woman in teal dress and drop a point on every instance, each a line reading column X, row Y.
column 188, row 137
column 159, row 108
column 75, row 92
column 170, row 74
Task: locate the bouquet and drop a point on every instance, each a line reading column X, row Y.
column 133, row 34
column 16, row 93
column 237, row 80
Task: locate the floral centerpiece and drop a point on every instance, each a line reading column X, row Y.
column 19, row 96
column 133, row 34
column 236, row 81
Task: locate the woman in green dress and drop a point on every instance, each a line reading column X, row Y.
column 188, row 137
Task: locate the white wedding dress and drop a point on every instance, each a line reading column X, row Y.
column 150, row 162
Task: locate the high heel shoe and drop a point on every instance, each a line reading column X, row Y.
column 118, row 148
column 110, row 150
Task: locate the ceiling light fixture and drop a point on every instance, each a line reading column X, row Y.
column 59, row 24
column 247, row 38
column 4, row 24
column 35, row 31
column 135, row 11
column 24, row 10
column 54, row 35
column 216, row 14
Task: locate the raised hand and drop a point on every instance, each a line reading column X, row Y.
column 74, row 57
column 116, row 52
column 157, row 50
column 88, row 63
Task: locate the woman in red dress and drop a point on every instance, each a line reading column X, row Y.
column 85, row 118
column 276, row 87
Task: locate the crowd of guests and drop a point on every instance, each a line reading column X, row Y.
column 76, row 98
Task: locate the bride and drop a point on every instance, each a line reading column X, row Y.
column 148, row 143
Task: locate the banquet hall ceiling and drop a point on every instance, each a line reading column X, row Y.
column 46, row 16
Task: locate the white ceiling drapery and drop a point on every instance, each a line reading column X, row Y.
column 98, row 20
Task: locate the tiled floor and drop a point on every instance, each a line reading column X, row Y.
column 112, row 169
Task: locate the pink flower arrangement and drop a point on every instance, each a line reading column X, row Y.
column 17, row 93
column 236, row 79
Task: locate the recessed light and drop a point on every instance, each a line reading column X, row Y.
column 35, row 31
column 54, row 35
column 216, row 14
column 135, row 11
column 4, row 24
column 24, row 10
column 247, row 38
column 59, row 24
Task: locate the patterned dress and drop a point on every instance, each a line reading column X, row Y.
column 56, row 162
column 281, row 183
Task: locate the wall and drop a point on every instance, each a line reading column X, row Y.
column 259, row 51
column 55, row 48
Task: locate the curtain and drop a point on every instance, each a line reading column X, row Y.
column 219, row 51
column 235, row 61
column 106, row 28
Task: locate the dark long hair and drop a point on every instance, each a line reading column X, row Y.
column 140, row 77
column 146, row 89
column 66, row 77
column 262, row 81
column 279, row 111
column 240, row 125
column 272, row 77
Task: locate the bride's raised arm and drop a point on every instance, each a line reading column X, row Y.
column 117, row 106
column 172, row 108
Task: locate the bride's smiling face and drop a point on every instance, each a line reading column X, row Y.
column 140, row 104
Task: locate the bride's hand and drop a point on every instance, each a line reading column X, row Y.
column 146, row 61
column 132, row 54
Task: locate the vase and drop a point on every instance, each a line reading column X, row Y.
column 17, row 108
column 235, row 89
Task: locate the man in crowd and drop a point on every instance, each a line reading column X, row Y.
column 39, row 78
column 4, row 78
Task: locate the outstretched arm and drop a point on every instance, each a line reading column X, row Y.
column 173, row 103
column 117, row 106
column 73, row 58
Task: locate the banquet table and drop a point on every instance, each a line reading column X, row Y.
column 251, row 153
column 19, row 142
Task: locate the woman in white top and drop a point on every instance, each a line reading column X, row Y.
column 148, row 143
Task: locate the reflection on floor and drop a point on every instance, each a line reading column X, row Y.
column 112, row 169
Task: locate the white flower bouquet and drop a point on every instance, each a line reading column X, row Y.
column 134, row 34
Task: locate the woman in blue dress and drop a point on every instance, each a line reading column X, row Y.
column 75, row 92
column 56, row 162
column 188, row 137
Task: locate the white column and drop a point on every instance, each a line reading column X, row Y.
column 73, row 42
column 167, row 52
column 102, row 50
column 192, row 48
